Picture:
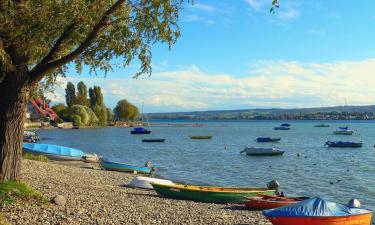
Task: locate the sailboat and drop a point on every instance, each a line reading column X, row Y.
column 140, row 129
column 344, row 130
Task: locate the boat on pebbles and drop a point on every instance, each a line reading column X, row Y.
column 54, row 152
column 145, row 182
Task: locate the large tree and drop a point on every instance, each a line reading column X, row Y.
column 82, row 94
column 38, row 39
column 70, row 94
column 125, row 110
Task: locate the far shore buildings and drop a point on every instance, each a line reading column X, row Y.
column 39, row 111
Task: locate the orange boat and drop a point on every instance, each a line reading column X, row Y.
column 316, row 211
column 261, row 202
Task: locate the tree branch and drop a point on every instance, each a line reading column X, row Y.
column 38, row 72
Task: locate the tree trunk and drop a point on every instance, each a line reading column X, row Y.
column 13, row 99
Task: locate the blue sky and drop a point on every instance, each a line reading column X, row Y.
column 236, row 55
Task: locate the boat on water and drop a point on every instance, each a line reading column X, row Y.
column 316, row 211
column 285, row 125
column 154, row 140
column 321, row 125
column 267, row 139
column 123, row 167
column 140, row 130
column 201, row 137
column 210, row 194
column 343, row 131
column 262, row 202
column 262, row 151
column 343, row 144
column 54, row 152
column 281, row 128
column 145, row 182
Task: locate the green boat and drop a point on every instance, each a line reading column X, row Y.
column 209, row 193
column 201, row 137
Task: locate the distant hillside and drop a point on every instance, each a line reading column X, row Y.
column 336, row 112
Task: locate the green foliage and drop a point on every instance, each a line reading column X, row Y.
column 96, row 96
column 12, row 190
column 59, row 109
column 93, row 119
column 79, row 110
column 76, row 119
column 81, row 98
column 41, row 158
column 125, row 110
column 70, row 94
column 59, row 120
column 101, row 113
column 109, row 114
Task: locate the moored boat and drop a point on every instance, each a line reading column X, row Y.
column 201, row 137
column 154, row 140
column 281, row 128
column 208, row 193
column 261, row 202
column 343, row 144
column 123, row 167
column 140, row 130
column 343, row 131
column 316, row 211
column 262, row 151
column 285, row 125
column 54, row 152
column 145, row 182
column 321, row 125
column 268, row 139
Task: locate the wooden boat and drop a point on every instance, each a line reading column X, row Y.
column 261, row 202
column 140, row 130
column 122, row 167
column 201, row 137
column 316, row 211
column 208, row 193
column 268, row 139
column 153, row 140
column 145, row 182
column 262, row 151
column 54, row 152
column 281, row 128
column 344, row 144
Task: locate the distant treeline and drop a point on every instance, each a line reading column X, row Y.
column 272, row 114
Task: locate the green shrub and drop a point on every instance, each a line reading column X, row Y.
column 81, row 112
column 13, row 190
column 76, row 119
column 30, row 156
column 93, row 119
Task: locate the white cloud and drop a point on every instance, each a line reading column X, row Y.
column 268, row 84
column 315, row 32
column 203, row 7
column 289, row 13
column 258, row 5
column 195, row 18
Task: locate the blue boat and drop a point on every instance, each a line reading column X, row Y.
column 344, row 144
column 285, row 125
column 140, row 130
column 122, row 167
column 281, row 128
column 317, row 211
column 267, row 139
column 54, row 152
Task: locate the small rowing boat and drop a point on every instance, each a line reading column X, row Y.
column 262, row 151
column 281, row 128
column 343, row 144
column 123, row 167
column 261, row 202
column 201, row 137
column 321, row 125
column 208, row 193
column 268, row 139
column 54, row 152
column 316, row 211
column 145, row 182
column 153, row 140
column 140, row 130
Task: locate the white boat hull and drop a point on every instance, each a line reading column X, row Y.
column 145, row 182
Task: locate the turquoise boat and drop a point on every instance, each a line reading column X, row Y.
column 122, row 167
column 54, row 152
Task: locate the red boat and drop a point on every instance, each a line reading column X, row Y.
column 261, row 202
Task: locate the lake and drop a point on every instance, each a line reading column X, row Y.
column 337, row 174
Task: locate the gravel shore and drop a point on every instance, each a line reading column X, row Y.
column 94, row 196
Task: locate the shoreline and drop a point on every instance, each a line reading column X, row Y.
column 95, row 196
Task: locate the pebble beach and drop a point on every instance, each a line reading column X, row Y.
column 95, row 196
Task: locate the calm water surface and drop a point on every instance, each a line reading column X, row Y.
column 337, row 174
